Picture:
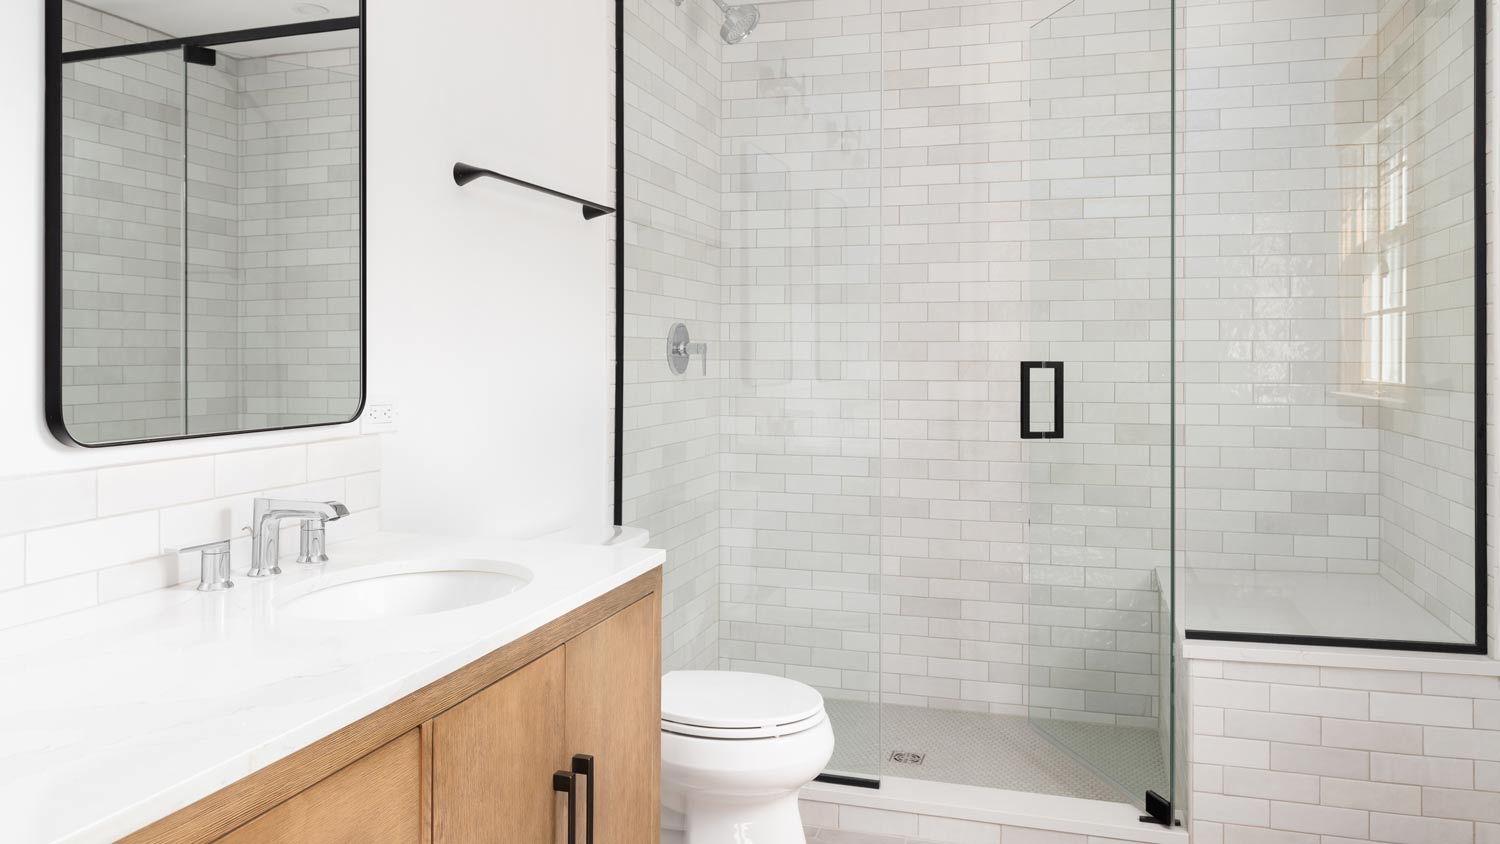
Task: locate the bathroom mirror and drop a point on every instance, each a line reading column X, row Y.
column 205, row 217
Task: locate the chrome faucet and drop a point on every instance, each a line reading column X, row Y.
column 265, row 529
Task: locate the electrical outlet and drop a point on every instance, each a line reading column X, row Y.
column 379, row 418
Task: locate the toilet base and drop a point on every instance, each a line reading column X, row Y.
column 709, row 821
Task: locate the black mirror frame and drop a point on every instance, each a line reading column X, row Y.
column 52, row 241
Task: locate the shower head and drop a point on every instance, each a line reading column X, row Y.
column 739, row 21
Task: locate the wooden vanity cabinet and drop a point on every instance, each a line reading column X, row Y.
column 616, row 718
column 471, row 758
column 377, row 800
column 495, row 755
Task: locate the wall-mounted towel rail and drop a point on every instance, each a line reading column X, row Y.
column 466, row 173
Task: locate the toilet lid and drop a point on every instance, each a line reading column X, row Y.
column 736, row 700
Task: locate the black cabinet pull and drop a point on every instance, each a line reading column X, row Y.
column 565, row 781
column 1057, row 399
column 583, row 765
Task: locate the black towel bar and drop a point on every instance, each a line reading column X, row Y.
column 466, row 173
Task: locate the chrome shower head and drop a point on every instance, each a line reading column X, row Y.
column 739, row 22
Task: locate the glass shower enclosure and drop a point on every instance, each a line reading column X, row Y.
column 1038, row 339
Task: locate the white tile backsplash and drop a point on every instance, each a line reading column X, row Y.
column 153, row 486
column 78, row 539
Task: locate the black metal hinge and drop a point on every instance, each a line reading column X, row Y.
column 1158, row 810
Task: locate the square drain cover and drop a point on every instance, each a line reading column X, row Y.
column 907, row 757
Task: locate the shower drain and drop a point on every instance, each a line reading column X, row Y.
column 907, row 757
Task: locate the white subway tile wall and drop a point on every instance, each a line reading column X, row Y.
column 801, row 331
column 298, row 284
column 1325, row 298
column 672, row 265
column 1288, row 753
column 1097, row 297
column 73, row 540
column 123, row 145
column 1427, row 437
column 852, row 426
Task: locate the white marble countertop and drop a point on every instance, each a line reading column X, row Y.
column 114, row 717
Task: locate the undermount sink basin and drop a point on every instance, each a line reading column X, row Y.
column 400, row 590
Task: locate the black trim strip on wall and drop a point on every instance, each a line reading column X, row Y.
column 1339, row 642
column 1481, row 327
column 619, row 428
column 52, row 204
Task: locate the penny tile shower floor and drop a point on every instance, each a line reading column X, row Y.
column 997, row 751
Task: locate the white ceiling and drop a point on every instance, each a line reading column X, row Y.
column 182, row 18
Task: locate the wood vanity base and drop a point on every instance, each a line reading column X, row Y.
column 470, row 758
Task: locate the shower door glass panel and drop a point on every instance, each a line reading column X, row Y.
column 1098, row 481
column 1328, row 322
column 752, row 217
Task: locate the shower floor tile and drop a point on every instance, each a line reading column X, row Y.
column 996, row 751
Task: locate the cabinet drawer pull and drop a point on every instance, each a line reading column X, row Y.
column 565, row 781
column 583, row 765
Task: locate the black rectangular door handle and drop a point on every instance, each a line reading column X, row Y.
column 583, row 766
column 565, row 781
column 1057, row 399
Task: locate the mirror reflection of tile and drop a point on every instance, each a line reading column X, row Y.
column 270, row 336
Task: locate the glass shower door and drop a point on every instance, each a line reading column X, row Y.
column 1094, row 394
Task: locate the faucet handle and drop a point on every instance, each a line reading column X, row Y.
column 314, row 541
column 214, row 565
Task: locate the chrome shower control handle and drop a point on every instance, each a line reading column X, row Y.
column 681, row 348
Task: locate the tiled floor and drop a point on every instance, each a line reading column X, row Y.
column 998, row 751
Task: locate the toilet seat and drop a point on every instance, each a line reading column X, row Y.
column 737, row 705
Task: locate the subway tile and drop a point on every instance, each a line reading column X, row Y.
column 47, row 599
column 42, row 501
column 339, row 458
column 152, row 486
column 1322, row 820
column 1372, row 796
column 90, row 546
column 1422, row 709
column 861, row 819
column 247, row 471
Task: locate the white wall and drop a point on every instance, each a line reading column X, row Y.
column 486, row 303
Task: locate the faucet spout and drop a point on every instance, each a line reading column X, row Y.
column 265, row 528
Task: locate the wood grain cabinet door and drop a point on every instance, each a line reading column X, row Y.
column 377, row 800
column 493, row 757
column 614, row 714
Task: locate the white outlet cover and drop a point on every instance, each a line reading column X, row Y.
column 380, row 416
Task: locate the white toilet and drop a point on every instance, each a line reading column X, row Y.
column 735, row 750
